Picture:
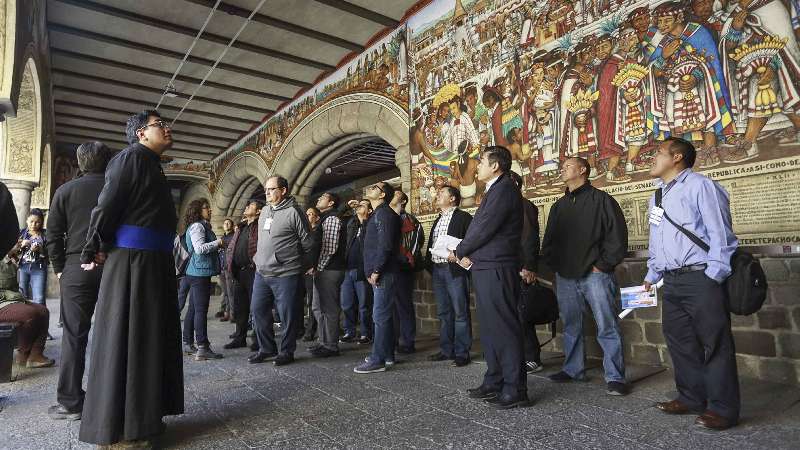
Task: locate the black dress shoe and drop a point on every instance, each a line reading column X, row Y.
column 481, row 393
column 511, row 401
column 405, row 349
column 259, row 358
column 255, row 347
column 461, row 361
column 59, row 412
column 324, row 352
column 283, row 360
column 234, row 344
column 439, row 356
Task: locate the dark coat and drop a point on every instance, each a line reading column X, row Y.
column 382, row 241
column 457, row 228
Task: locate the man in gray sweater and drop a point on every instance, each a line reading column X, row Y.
column 284, row 243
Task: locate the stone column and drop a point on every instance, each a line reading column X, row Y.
column 21, row 193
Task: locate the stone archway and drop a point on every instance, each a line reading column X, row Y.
column 237, row 183
column 312, row 145
column 336, row 127
column 21, row 142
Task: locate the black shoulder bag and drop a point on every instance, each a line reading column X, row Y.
column 539, row 306
column 746, row 287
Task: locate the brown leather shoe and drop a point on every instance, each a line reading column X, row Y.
column 713, row 421
column 676, row 407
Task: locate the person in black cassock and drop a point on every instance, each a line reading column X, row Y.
column 136, row 370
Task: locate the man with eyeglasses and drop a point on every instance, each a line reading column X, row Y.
column 381, row 263
column 136, row 375
column 284, row 243
column 356, row 293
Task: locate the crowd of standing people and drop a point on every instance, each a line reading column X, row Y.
column 111, row 233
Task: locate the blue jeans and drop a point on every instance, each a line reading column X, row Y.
column 354, row 294
column 183, row 291
column 598, row 291
column 195, row 323
column 382, row 314
column 452, row 306
column 32, row 281
column 282, row 293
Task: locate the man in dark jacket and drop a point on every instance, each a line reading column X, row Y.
column 67, row 224
column 356, row 293
column 450, row 281
column 381, row 261
column 586, row 237
column 491, row 249
column 412, row 238
column 240, row 271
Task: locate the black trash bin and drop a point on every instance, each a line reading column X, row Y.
column 8, row 340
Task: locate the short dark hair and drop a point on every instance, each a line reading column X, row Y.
column 136, row 122
column 36, row 212
column 583, row 162
column 228, row 219
column 453, row 192
column 684, row 147
column 500, row 155
column 388, row 189
column 334, row 197
column 314, row 208
column 259, row 203
column 283, row 183
column 517, row 178
column 93, row 157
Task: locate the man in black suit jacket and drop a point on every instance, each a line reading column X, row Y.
column 450, row 282
column 491, row 248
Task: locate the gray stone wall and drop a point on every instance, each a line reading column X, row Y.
column 767, row 343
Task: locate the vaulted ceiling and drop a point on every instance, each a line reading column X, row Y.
column 111, row 58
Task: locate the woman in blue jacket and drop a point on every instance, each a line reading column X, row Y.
column 203, row 264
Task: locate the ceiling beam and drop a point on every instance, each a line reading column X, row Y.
column 55, row 27
column 168, row 75
column 103, row 109
column 121, row 124
column 104, row 96
column 191, row 32
column 217, row 148
column 157, row 91
column 359, row 11
column 283, row 25
column 89, row 137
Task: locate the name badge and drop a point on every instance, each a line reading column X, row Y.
column 656, row 215
column 268, row 224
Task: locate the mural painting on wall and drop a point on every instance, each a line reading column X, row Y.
column 183, row 165
column 603, row 79
column 381, row 70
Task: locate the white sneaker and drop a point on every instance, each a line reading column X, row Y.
column 533, row 367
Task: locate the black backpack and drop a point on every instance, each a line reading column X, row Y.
column 746, row 287
column 539, row 306
column 181, row 253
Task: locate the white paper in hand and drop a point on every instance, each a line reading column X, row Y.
column 444, row 245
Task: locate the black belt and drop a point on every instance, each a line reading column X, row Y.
column 687, row 269
column 440, row 265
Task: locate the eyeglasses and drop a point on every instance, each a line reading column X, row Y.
column 270, row 189
column 158, row 124
column 378, row 187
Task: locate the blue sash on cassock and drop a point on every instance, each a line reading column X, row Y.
column 141, row 238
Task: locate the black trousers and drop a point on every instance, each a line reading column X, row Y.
column 79, row 290
column 697, row 329
column 497, row 299
column 242, row 293
column 530, row 341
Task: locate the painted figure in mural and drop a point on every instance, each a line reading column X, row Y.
column 689, row 98
column 578, row 121
column 475, row 109
column 461, row 141
column 492, row 99
column 609, row 149
column 631, row 91
column 760, row 57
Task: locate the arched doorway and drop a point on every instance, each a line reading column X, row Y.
column 313, row 145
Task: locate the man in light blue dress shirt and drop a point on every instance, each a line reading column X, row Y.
column 695, row 320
